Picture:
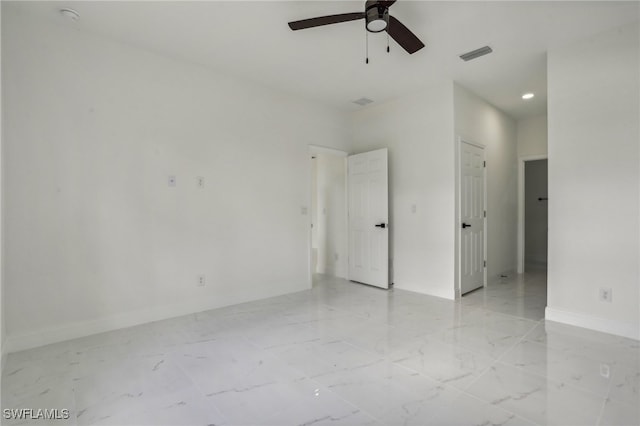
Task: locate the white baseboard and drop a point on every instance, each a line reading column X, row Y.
column 624, row 329
column 20, row 342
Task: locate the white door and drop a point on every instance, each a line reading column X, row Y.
column 368, row 218
column 472, row 266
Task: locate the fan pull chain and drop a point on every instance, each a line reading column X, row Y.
column 387, row 42
column 367, row 44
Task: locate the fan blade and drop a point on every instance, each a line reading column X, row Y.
column 325, row 20
column 403, row 36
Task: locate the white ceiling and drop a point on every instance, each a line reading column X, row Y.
column 252, row 40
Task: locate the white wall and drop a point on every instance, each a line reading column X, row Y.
column 331, row 222
column 594, row 182
column 3, row 332
column 532, row 136
column 418, row 131
column 479, row 122
column 95, row 237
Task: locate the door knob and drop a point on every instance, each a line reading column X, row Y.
column 381, row 225
column 465, row 225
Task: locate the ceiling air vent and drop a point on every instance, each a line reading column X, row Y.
column 476, row 53
column 363, row 101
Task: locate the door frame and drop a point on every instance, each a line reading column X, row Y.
column 521, row 163
column 458, row 215
column 318, row 149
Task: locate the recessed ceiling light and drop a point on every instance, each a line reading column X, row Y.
column 70, row 14
column 528, row 96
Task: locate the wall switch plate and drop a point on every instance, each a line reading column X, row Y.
column 201, row 280
column 606, row 294
column 605, row 371
column 200, row 182
column 171, row 181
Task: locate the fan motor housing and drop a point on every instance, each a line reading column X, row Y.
column 377, row 18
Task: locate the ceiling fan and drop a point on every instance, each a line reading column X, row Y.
column 377, row 19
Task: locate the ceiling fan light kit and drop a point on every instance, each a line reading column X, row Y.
column 377, row 19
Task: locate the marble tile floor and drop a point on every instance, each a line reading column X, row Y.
column 341, row 354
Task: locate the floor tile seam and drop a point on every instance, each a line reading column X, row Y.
column 73, row 409
column 562, row 348
column 574, row 354
column 304, row 373
column 200, row 391
column 367, row 350
column 74, row 401
column 100, row 403
column 477, row 398
column 492, row 327
column 508, row 315
column 338, row 308
column 604, row 403
column 520, row 340
column 459, row 345
column 555, row 380
column 466, row 391
column 607, row 398
column 426, row 375
column 468, row 348
column 495, row 362
column 463, row 391
column 439, row 382
column 552, row 380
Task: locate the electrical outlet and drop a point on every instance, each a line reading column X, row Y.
column 200, row 182
column 303, row 211
column 606, row 295
column 414, row 208
column 201, row 280
column 171, row 181
column 605, row 371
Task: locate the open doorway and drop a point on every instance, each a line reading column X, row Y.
column 328, row 216
column 532, row 214
column 535, row 215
